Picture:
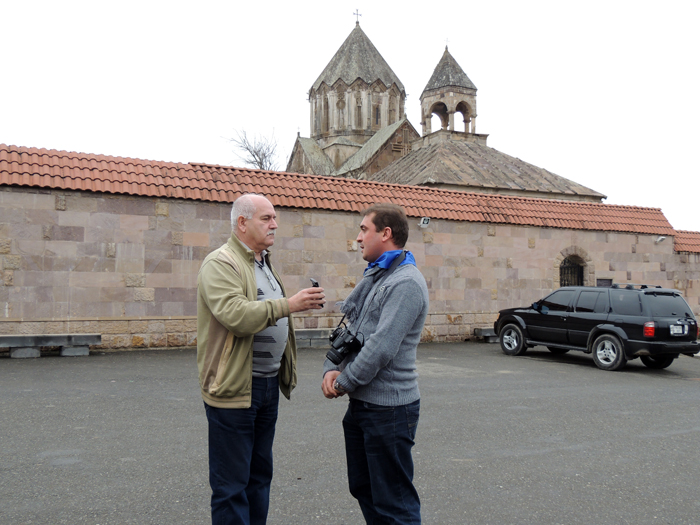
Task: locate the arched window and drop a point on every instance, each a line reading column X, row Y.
column 463, row 109
column 439, row 110
column 435, row 123
column 571, row 272
column 324, row 117
column 358, row 112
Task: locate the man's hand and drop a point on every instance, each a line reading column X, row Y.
column 327, row 385
column 307, row 299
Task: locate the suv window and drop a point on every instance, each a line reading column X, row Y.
column 626, row 302
column 667, row 305
column 593, row 301
column 602, row 305
column 559, row 300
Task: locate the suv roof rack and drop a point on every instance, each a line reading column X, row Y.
column 630, row 286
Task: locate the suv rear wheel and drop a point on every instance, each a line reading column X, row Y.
column 658, row 362
column 608, row 353
column 512, row 340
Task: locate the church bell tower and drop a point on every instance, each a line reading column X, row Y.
column 448, row 92
column 356, row 95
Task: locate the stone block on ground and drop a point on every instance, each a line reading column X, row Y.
column 74, row 351
column 25, row 352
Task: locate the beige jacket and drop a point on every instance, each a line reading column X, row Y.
column 228, row 317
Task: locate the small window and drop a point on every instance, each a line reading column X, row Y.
column 376, row 115
column 558, row 301
column 602, row 305
column 592, row 302
column 626, row 302
column 586, row 301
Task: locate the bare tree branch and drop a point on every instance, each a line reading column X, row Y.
column 257, row 152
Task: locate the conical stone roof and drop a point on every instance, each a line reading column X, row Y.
column 358, row 58
column 448, row 73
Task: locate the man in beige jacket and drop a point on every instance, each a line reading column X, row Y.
column 246, row 355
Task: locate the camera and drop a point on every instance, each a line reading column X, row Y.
column 343, row 341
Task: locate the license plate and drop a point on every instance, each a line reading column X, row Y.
column 677, row 329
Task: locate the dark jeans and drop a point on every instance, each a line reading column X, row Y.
column 378, row 442
column 240, row 456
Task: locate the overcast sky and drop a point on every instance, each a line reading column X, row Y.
column 604, row 93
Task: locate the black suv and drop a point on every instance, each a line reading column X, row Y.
column 615, row 324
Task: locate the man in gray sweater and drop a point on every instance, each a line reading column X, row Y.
column 386, row 312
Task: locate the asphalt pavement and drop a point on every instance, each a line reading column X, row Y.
column 120, row 438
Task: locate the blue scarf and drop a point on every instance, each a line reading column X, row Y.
column 352, row 306
column 385, row 260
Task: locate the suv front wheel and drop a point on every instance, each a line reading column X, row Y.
column 512, row 340
column 608, row 353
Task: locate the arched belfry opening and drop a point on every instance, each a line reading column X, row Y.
column 466, row 120
column 440, row 111
column 571, row 271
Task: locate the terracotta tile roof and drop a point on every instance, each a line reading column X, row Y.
column 686, row 241
column 41, row 168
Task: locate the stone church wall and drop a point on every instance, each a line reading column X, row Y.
column 126, row 267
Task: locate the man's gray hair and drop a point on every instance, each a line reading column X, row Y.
column 244, row 207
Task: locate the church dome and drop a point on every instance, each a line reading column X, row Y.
column 357, row 58
column 448, row 73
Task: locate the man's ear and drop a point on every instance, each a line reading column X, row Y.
column 387, row 234
column 241, row 223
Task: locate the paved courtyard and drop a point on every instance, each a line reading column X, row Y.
column 540, row 439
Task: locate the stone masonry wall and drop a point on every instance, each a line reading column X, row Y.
column 126, row 267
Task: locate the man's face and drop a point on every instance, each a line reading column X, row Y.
column 258, row 233
column 370, row 240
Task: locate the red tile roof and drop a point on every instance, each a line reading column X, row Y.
column 21, row 166
column 686, row 241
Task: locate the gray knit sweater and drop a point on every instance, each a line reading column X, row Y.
column 391, row 322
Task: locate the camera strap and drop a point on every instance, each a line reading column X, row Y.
column 378, row 278
column 378, row 281
column 394, row 264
